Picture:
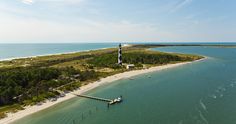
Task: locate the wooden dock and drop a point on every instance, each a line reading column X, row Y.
column 109, row 101
column 95, row 98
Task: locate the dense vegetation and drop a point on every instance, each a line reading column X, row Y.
column 31, row 80
column 36, row 83
column 139, row 57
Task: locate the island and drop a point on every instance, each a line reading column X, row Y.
column 33, row 81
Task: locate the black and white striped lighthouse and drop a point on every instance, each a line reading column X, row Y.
column 120, row 55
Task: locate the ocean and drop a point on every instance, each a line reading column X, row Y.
column 202, row 92
column 10, row 51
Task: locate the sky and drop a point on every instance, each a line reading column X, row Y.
column 69, row 21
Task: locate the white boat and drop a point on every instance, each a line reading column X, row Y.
column 117, row 100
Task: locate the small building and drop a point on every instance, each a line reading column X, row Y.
column 129, row 66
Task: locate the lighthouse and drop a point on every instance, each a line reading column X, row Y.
column 120, row 55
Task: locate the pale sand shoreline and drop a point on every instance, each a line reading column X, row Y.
column 43, row 55
column 63, row 53
column 11, row 117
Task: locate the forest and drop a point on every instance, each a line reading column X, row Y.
column 36, row 83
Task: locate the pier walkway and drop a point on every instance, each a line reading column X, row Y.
column 95, row 98
column 109, row 101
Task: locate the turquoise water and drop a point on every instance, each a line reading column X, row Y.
column 24, row 50
column 203, row 92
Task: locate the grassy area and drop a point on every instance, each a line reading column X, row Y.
column 9, row 108
column 28, row 81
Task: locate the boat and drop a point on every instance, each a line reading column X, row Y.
column 117, row 100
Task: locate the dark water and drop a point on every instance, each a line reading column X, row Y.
column 198, row 93
column 25, row 50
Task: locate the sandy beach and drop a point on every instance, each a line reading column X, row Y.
column 11, row 117
column 42, row 55
column 63, row 53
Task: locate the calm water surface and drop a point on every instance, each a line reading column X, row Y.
column 199, row 93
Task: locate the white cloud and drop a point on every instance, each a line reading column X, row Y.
column 29, row 2
column 50, row 21
column 180, row 5
column 17, row 29
column 29, row 30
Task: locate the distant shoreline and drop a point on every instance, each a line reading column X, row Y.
column 52, row 54
column 12, row 117
column 42, row 55
column 125, row 45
